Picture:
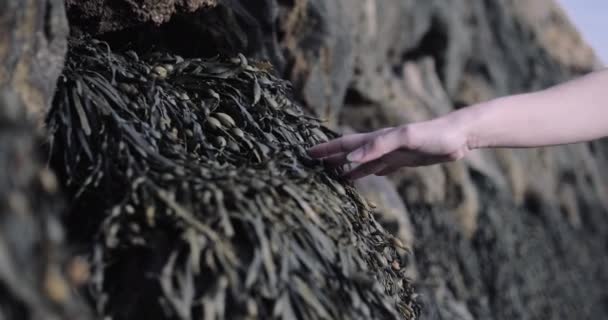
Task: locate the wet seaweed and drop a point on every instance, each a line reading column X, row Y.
column 190, row 183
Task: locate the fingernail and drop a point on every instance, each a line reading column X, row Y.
column 354, row 156
column 312, row 152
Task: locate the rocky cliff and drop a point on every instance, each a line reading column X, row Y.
column 503, row 234
column 36, row 272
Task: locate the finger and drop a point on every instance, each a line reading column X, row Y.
column 345, row 143
column 365, row 169
column 395, row 160
column 404, row 158
column 342, row 144
column 335, row 160
column 391, row 160
column 387, row 164
column 386, row 171
column 378, row 147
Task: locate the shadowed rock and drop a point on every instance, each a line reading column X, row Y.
column 98, row 16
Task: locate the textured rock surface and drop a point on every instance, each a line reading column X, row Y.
column 110, row 15
column 33, row 261
column 32, row 46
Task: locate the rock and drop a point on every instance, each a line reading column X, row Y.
column 100, row 16
column 32, row 252
column 32, row 49
column 33, row 281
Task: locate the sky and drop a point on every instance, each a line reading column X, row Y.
column 591, row 18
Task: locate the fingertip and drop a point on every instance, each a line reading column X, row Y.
column 334, row 161
column 316, row 151
column 359, row 170
column 356, row 156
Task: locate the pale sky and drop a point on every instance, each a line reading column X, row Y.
column 591, row 18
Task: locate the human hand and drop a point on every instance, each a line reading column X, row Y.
column 383, row 151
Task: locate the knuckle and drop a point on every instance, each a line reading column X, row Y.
column 377, row 144
column 403, row 130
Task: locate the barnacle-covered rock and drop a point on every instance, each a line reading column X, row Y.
column 99, row 16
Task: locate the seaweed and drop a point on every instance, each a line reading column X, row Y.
column 189, row 183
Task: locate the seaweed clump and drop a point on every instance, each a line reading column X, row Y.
column 189, row 183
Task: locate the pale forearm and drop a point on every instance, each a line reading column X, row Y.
column 572, row 112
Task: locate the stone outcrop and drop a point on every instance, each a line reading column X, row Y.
column 101, row 16
column 36, row 273
column 33, row 42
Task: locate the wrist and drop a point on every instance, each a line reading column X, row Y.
column 469, row 122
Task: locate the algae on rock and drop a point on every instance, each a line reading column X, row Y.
column 189, row 181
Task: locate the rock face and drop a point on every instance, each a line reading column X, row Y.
column 33, row 42
column 34, row 282
column 100, row 16
column 502, row 235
